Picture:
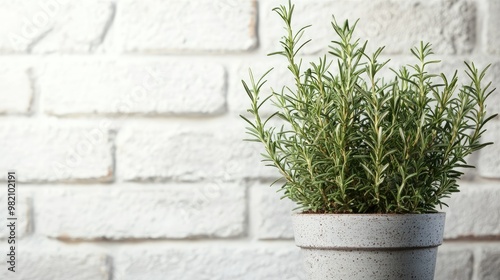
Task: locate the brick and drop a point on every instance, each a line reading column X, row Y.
column 15, row 88
column 474, row 212
column 54, row 25
column 492, row 33
column 154, row 26
column 205, row 262
column 42, row 260
column 163, row 88
column 49, row 151
column 188, row 151
column 489, row 264
column 488, row 161
column 448, row 25
column 273, row 216
column 493, row 76
column 173, row 211
column 23, row 209
column 456, row 264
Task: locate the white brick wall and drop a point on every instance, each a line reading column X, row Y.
column 449, row 25
column 466, row 207
column 44, row 259
column 25, row 218
column 132, row 87
column 184, row 151
column 209, row 262
column 51, row 150
column 152, row 212
column 489, row 263
column 489, row 161
column 492, row 38
column 272, row 214
column 16, row 90
column 153, row 26
column 47, row 26
column 121, row 119
column 454, row 264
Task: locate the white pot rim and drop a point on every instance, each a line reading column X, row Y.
column 367, row 214
column 368, row 231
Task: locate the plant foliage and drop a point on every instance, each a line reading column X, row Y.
column 355, row 143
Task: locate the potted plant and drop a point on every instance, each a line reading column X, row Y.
column 367, row 160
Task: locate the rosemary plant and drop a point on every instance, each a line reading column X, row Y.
column 355, row 143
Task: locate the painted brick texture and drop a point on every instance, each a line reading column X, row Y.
column 54, row 25
column 210, row 263
column 449, row 25
column 51, row 151
column 48, row 260
column 121, row 119
column 16, row 92
column 184, row 212
column 119, row 87
column 188, row 152
column 154, row 26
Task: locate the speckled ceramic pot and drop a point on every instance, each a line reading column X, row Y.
column 369, row 246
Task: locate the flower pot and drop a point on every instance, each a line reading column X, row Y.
column 369, row 246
